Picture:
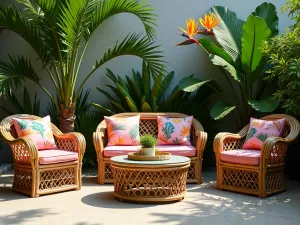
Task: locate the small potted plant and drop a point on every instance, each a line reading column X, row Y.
column 148, row 143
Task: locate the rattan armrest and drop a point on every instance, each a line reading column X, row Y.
column 98, row 143
column 77, row 142
column 221, row 137
column 277, row 146
column 201, row 140
column 23, row 148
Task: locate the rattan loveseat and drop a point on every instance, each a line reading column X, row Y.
column 267, row 177
column 148, row 125
column 34, row 179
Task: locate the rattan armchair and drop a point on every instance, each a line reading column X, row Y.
column 268, row 177
column 148, row 125
column 34, row 179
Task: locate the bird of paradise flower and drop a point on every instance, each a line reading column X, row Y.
column 209, row 22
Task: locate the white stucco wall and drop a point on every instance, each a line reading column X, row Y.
column 184, row 60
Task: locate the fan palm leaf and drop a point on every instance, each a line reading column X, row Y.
column 59, row 32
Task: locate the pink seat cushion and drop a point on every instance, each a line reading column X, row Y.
column 56, row 156
column 241, row 156
column 116, row 150
column 181, row 150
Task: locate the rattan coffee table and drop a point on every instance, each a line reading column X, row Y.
column 150, row 181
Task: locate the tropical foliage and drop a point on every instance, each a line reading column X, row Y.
column 86, row 123
column 136, row 94
column 59, row 31
column 28, row 106
column 283, row 54
column 239, row 55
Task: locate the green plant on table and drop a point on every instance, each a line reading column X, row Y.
column 283, row 53
column 148, row 141
column 26, row 107
column 238, row 53
column 136, row 94
column 59, row 31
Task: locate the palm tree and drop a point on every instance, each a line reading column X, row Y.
column 59, row 31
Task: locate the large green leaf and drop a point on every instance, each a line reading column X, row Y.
column 255, row 32
column 146, row 107
column 211, row 48
column 135, row 90
column 229, row 32
column 218, row 61
column 268, row 104
column 131, row 105
column 190, row 84
column 220, row 110
column 146, row 79
column 103, row 109
column 268, row 12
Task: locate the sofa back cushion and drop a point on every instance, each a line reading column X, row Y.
column 123, row 130
column 174, row 131
column 260, row 130
column 39, row 131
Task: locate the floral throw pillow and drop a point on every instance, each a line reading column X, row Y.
column 174, row 131
column 260, row 130
column 39, row 131
column 123, row 131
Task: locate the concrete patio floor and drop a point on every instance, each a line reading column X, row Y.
column 95, row 204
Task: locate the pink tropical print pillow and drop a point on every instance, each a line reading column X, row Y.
column 174, row 131
column 260, row 130
column 39, row 131
column 123, row 131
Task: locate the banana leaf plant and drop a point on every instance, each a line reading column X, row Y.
column 59, row 31
column 239, row 55
column 138, row 94
column 28, row 106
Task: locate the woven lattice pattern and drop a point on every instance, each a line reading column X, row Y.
column 20, row 153
column 66, row 144
column 57, row 178
column 230, row 144
column 108, row 173
column 278, row 153
column 240, row 179
column 275, row 180
column 192, row 171
column 148, row 125
column 149, row 184
column 22, row 180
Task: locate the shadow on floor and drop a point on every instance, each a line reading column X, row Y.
column 107, row 200
column 210, row 206
column 20, row 217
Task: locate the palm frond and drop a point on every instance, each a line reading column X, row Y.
column 15, row 20
column 14, row 71
column 135, row 45
column 74, row 21
column 139, row 46
column 107, row 8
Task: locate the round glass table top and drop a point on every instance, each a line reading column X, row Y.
column 173, row 160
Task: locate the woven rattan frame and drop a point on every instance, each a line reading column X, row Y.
column 150, row 183
column 148, row 125
column 34, row 179
column 268, row 177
